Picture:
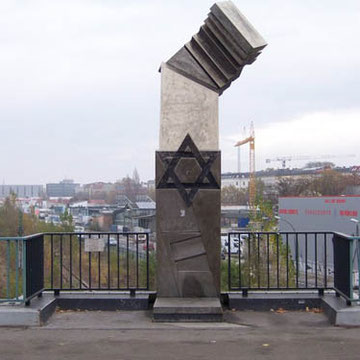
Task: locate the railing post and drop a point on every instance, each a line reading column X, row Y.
column 24, row 275
column 229, row 262
column 8, row 269
column 34, row 265
column 343, row 267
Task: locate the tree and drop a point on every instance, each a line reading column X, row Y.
column 287, row 186
column 230, row 195
column 263, row 218
column 330, row 182
column 67, row 221
column 11, row 217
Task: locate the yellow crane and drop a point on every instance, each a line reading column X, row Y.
column 252, row 182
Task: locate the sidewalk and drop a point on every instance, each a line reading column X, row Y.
column 132, row 335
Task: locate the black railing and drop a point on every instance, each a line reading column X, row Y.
column 346, row 266
column 96, row 261
column 279, row 261
column 34, row 264
column 125, row 261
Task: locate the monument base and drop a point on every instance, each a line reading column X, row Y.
column 171, row 309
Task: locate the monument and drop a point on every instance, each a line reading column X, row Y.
column 188, row 163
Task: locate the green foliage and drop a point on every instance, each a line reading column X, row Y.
column 224, row 278
column 67, row 221
column 14, row 222
column 152, row 271
column 328, row 182
column 266, row 249
column 9, row 217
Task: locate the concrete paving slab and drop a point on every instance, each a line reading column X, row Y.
column 123, row 320
column 265, row 335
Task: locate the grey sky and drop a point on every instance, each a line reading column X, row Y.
column 79, row 87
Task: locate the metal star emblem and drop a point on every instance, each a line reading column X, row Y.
column 199, row 170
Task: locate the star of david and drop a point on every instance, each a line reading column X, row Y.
column 205, row 178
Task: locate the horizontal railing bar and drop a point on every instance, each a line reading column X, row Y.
column 281, row 233
column 98, row 289
column 281, row 288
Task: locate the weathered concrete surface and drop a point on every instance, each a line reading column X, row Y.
column 187, row 309
column 19, row 316
column 217, row 54
column 41, row 309
column 261, row 301
column 187, row 108
column 339, row 313
column 132, row 335
column 188, row 234
column 36, row 314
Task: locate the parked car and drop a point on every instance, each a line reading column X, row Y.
column 151, row 246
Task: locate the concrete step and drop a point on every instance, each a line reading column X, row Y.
column 36, row 314
column 339, row 313
column 187, row 310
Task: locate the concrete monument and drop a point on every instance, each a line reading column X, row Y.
column 188, row 163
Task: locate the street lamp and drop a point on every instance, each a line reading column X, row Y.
column 356, row 221
column 126, row 215
column 298, row 253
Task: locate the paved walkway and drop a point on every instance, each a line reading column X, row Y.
column 132, row 335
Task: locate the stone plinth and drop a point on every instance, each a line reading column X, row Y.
column 188, row 221
column 187, row 309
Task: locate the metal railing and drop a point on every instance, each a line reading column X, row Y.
column 347, row 265
column 96, row 261
column 279, row 261
column 21, row 268
column 121, row 261
column 73, row 261
column 34, row 266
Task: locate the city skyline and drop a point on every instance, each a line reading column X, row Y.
column 80, row 91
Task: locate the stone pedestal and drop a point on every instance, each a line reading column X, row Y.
column 187, row 309
column 188, row 221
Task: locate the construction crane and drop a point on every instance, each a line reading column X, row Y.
column 284, row 159
column 252, row 182
column 238, row 153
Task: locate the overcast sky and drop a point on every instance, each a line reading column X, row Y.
column 80, row 88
